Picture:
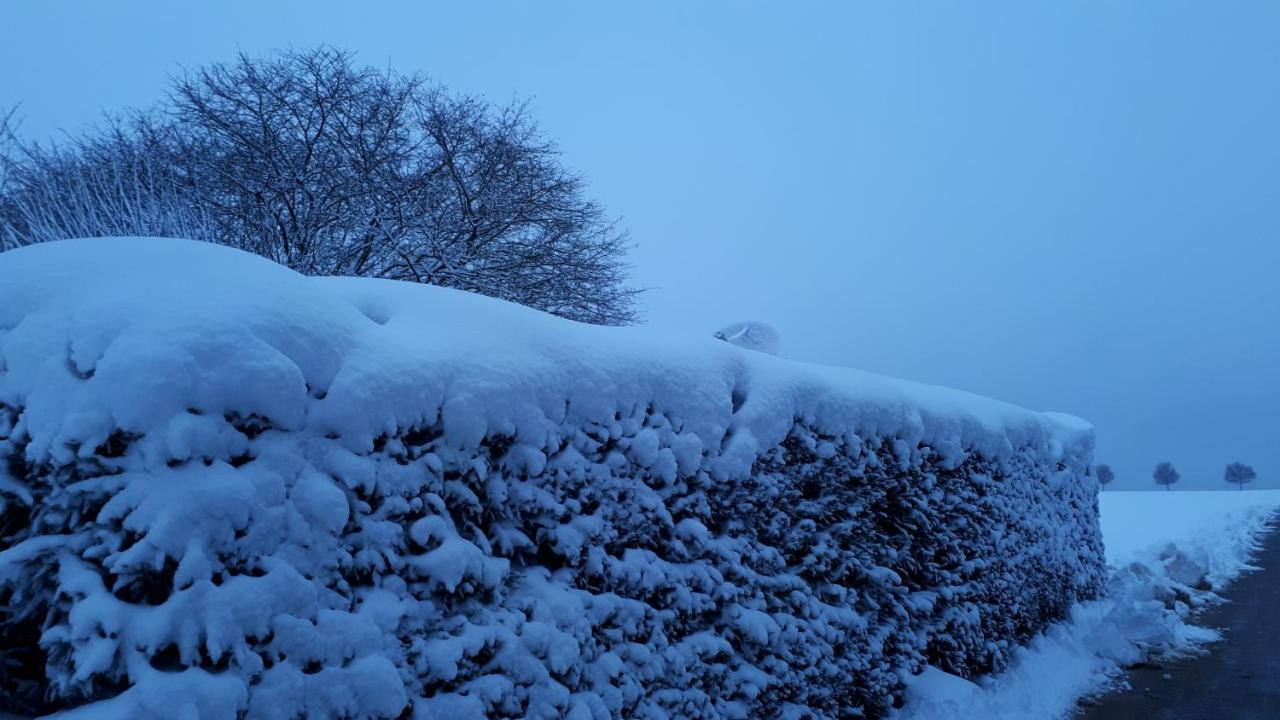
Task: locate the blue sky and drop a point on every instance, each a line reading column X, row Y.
column 1070, row 206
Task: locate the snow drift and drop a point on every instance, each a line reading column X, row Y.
column 228, row 488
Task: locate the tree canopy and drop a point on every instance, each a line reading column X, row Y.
column 331, row 168
column 1105, row 474
column 1165, row 474
column 1238, row 474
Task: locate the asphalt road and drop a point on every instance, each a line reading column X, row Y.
column 1240, row 677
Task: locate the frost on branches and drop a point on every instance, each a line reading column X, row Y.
column 230, row 489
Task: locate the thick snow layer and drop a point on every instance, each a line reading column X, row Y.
column 1166, row 551
column 162, row 326
column 228, row 489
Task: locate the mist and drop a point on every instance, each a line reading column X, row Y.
column 1062, row 206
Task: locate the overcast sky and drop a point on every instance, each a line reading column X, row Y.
column 1072, row 206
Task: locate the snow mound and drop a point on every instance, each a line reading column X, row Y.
column 229, row 489
column 751, row 335
column 130, row 333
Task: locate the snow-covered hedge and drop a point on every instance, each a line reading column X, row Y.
column 230, row 489
column 1169, row 554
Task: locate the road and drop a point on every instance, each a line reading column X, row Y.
column 1238, row 680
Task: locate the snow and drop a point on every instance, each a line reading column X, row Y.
column 1162, row 548
column 1220, row 526
column 752, row 335
column 162, row 326
column 256, row 492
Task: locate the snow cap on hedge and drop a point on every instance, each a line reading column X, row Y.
column 151, row 328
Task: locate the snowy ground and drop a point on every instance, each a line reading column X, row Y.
column 1164, row 550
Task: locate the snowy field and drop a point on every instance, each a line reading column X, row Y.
column 1164, row 549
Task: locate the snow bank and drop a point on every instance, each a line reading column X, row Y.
column 1168, row 553
column 228, row 488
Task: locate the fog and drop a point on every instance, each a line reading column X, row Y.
column 1071, row 207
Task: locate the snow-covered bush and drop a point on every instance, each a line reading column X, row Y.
column 228, row 488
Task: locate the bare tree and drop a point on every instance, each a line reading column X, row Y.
column 1105, row 475
column 114, row 183
column 8, row 143
column 1165, row 475
column 7, row 123
column 1239, row 474
column 335, row 169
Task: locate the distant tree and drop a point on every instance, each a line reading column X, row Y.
column 1165, row 475
column 335, row 169
column 1239, row 474
column 1105, row 476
